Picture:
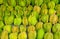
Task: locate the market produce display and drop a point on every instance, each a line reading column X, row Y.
column 29, row 19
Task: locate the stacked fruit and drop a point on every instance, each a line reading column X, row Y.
column 29, row 19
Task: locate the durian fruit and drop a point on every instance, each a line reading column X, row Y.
column 32, row 35
column 22, row 35
column 51, row 4
column 39, row 25
column 22, row 28
column 7, row 28
column 1, row 24
column 4, row 35
column 48, row 35
column 44, row 18
column 15, row 29
column 37, row 9
column 56, row 27
column 47, row 27
column 32, row 20
column 31, row 28
column 57, row 35
column 13, row 36
column 54, row 19
column 40, row 33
